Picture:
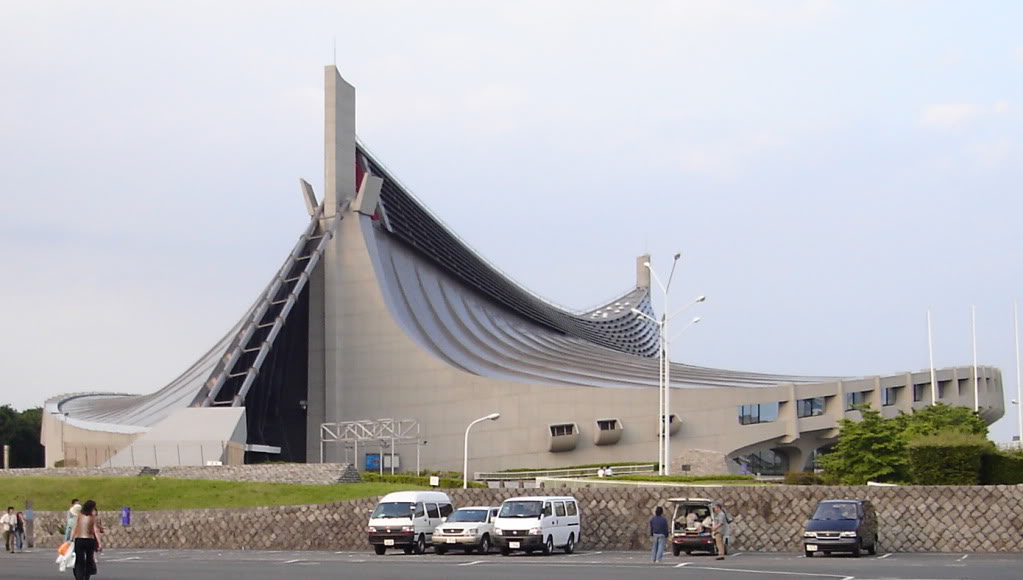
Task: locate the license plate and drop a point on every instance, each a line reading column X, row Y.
column 811, row 547
column 388, row 542
column 513, row 544
column 451, row 540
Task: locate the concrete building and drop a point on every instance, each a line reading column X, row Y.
column 381, row 312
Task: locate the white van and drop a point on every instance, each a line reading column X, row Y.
column 540, row 522
column 406, row 520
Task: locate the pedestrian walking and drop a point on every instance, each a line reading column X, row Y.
column 72, row 517
column 87, row 540
column 659, row 533
column 19, row 531
column 8, row 521
column 719, row 530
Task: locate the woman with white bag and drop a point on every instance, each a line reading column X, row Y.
column 87, row 541
column 66, row 559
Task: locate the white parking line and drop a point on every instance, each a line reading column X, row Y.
column 291, row 562
column 124, row 559
column 883, row 557
column 965, row 556
column 683, row 564
column 773, row 572
column 472, row 563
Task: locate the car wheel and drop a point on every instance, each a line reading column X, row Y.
column 505, row 551
column 441, row 550
column 570, row 546
column 379, row 549
column 420, row 547
column 872, row 550
column 726, row 547
column 548, row 546
column 484, row 547
column 689, row 552
column 808, row 553
column 676, row 549
column 857, row 549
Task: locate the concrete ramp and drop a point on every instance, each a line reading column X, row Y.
column 190, row 436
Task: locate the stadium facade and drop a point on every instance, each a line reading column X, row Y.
column 381, row 312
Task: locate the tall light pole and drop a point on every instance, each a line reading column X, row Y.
column 465, row 456
column 930, row 355
column 664, row 376
column 976, row 377
column 1019, row 384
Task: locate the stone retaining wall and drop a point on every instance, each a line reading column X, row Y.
column 768, row 518
column 308, row 473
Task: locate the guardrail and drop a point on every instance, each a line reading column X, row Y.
column 555, row 473
column 1011, row 446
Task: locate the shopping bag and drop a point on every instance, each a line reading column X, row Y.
column 62, row 550
column 67, row 561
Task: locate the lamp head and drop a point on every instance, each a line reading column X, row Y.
column 678, row 255
column 695, row 320
column 647, row 264
column 701, row 298
column 494, row 416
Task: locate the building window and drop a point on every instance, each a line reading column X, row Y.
column 766, row 462
column 810, row 407
column 855, row 398
column 758, row 413
column 607, row 424
column 888, row 396
column 918, row 393
column 562, row 430
column 942, row 388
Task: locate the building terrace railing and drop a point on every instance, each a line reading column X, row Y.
column 578, row 472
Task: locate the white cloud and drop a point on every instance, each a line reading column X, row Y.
column 1001, row 106
column 948, row 115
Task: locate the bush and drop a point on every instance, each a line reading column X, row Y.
column 947, row 457
column 803, row 478
column 423, row 481
column 1002, row 469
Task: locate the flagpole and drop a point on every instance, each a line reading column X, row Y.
column 976, row 377
column 930, row 354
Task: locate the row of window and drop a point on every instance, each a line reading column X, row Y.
column 766, row 462
column 758, row 413
column 810, row 407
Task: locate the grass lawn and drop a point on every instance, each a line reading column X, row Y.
column 154, row 493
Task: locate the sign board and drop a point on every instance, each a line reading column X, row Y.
column 372, row 462
column 434, row 481
column 125, row 516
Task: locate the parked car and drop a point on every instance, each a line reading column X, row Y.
column 406, row 520
column 690, row 528
column 841, row 525
column 539, row 522
column 468, row 528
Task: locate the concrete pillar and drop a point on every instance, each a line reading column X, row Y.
column 339, row 141
column 642, row 272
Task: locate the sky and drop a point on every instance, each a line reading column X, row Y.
column 830, row 171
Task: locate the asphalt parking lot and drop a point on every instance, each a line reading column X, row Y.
column 229, row 565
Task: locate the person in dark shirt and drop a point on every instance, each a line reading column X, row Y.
column 659, row 532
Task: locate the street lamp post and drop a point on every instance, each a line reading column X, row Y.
column 664, row 374
column 465, row 456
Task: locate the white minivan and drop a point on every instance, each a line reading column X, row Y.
column 406, row 520
column 539, row 522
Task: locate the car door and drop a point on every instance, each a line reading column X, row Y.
column 547, row 520
column 561, row 523
column 433, row 512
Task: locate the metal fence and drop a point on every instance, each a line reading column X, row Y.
column 579, row 472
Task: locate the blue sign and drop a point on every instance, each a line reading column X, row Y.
column 126, row 516
column 372, row 461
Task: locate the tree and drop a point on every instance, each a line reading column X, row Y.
column 871, row 449
column 941, row 417
column 21, row 431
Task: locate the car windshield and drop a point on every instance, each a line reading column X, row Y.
column 521, row 509
column 835, row 511
column 468, row 516
column 393, row 510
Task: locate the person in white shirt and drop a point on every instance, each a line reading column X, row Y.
column 8, row 522
column 600, row 472
column 608, row 472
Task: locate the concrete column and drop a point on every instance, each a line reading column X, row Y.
column 339, row 141
column 642, row 272
column 339, row 186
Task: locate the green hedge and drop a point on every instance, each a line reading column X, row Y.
column 803, row 478
column 947, row 458
column 423, row 481
column 1002, row 469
